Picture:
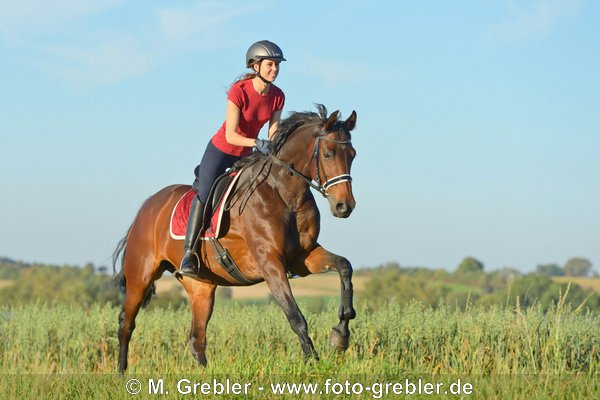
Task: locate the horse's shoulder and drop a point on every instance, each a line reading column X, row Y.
column 308, row 210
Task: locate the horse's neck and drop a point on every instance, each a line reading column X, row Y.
column 296, row 152
column 292, row 190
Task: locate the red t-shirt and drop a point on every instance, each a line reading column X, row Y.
column 255, row 111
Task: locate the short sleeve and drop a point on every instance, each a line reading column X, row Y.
column 279, row 101
column 236, row 95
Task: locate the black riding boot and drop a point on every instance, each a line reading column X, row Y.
column 190, row 259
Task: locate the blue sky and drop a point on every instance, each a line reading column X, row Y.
column 478, row 130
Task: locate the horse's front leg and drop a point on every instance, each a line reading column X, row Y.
column 280, row 288
column 320, row 260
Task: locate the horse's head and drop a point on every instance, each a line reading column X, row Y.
column 332, row 159
column 316, row 147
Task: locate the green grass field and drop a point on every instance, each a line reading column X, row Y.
column 69, row 352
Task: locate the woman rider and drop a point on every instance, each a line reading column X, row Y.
column 251, row 102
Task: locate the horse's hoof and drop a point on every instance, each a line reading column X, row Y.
column 338, row 340
column 202, row 361
column 311, row 357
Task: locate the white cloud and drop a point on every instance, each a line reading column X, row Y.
column 537, row 20
column 330, row 71
column 107, row 62
column 24, row 17
column 71, row 39
column 181, row 24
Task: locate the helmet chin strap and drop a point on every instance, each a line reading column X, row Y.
column 263, row 79
column 260, row 76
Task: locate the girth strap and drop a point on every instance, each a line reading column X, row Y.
column 224, row 258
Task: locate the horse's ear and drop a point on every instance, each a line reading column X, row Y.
column 350, row 122
column 331, row 121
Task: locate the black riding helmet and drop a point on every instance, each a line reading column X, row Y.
column 261, row 50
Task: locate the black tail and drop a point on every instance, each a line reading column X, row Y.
column 119, row 278
column 119, row 253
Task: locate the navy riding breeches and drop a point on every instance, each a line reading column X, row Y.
column 214, row 163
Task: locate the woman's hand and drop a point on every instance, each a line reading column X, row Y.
column 263, row 146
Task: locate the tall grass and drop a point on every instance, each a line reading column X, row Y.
column 510, row 352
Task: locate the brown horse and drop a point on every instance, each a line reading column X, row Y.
column 272, row 231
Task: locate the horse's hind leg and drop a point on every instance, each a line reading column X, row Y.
column 138, row 287
column 202, row 300
column 321, row 260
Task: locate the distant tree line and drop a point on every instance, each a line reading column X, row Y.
column 469, row 284
column 27, row 283
column 576, row 266
column 63, row 284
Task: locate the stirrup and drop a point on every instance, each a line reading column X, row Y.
column 187, row 270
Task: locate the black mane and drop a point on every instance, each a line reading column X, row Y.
column 294, row 121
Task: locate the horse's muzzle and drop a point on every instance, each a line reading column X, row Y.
column 342, row 209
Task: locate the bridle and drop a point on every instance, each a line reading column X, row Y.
column 318, row 186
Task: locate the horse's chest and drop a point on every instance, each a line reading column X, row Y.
column 307, row 229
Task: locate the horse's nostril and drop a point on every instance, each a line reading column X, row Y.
column 341, row 207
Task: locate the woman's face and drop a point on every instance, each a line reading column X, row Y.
column 269, row 69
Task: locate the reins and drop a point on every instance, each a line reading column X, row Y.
column 244, row 193
column 294, row 172
column 321, row 188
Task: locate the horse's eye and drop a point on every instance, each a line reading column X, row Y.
column 327, row 154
